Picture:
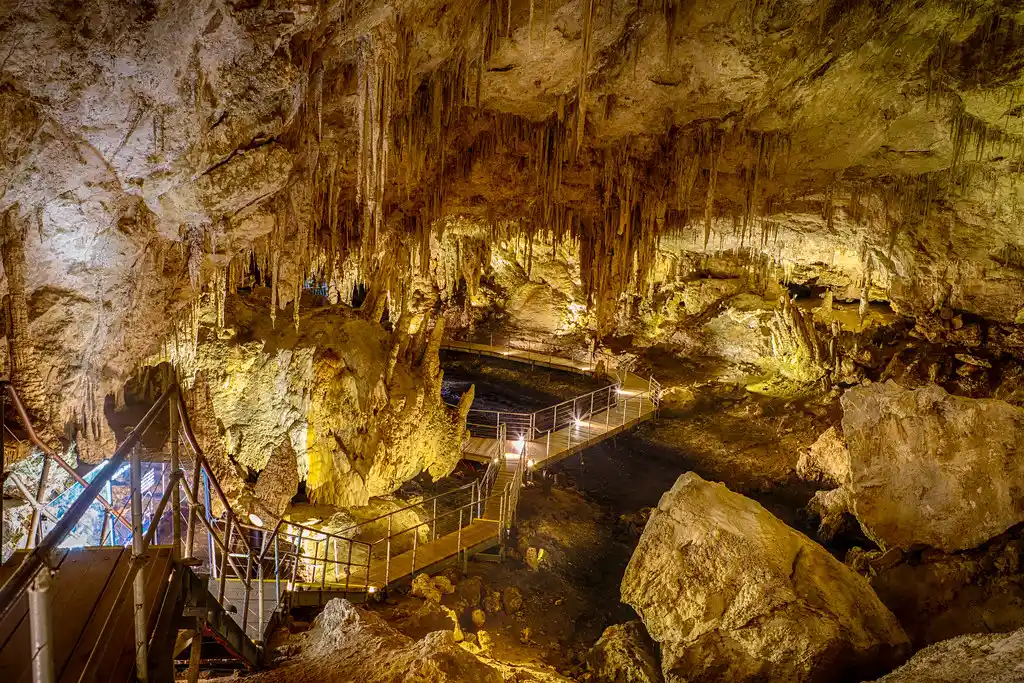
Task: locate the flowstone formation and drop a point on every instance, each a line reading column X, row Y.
column 343, row 404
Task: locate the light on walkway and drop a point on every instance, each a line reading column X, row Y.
column 255, row 519
column 531, row 462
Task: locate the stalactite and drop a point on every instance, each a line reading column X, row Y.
column 581, row 92
column 23, row 367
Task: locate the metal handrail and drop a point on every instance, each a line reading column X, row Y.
column 22, row 578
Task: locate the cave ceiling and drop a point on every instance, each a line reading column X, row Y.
column 151, row 150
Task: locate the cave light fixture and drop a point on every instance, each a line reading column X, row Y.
column 256, row 519
column 371, row 589
column 530, row 463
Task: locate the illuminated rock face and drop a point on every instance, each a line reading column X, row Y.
column 153, row 151
column 977, row 658
column 732, row 593
column 358, row 407
column 933, row 469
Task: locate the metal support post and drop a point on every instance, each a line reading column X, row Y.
column 348, row 568
column 139, row 581
column 195, row 654
column 433, row 522
column 224, row 558
column 41, row 627
column 33, row 530
column 327, row 548
column 387, row 561
column 190, row 528
column 459, row 536
column 298, row 558
column 247, row 587
column 260, row 589
column 277, row 568
column 208, row 513
column 176, row 492
column 415, row 543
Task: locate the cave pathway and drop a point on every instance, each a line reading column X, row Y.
column 151, row 526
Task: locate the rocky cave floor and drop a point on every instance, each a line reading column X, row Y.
column 579, row 523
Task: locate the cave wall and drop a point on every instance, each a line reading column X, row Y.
column 155, row 153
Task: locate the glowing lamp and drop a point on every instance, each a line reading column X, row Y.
column 255, row 519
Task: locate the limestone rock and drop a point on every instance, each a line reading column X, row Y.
column 350, row 644
column 831, row 508
column 492, row 603
column 934, row 469
column 470, row 590
column 826, row 461
column 278, row 483
column 977, row 658
column 732, row 593
column 323, row 394
column 624, row 654
column 431, row 588
column 479, row 617
column 512, row 600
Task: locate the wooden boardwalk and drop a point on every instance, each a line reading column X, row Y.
column 634, row 401
column 91, row 598
column 553, row 436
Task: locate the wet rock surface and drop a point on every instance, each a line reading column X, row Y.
column 728, row 591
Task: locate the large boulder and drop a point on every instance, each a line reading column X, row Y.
column 976, row 658
column 933, row 469
column 826, row 461
column 624, row 654
column 732, row 593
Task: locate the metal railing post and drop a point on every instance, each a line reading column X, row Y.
column 458, row 549
column 108, row 522
column 387, row 560
column 139, row 580
column 327, row 548
column 247, row 587
column 433, row 522
column 37, row 518
column 190, row 528
column 224, row 557
column 415, row 543
column 298, row 558
column 348, row 568
column 176, row 492
column 41, row 627
column 277, row 568
column 208, row 513
column 259, row 587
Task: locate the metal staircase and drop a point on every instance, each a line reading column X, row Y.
column 143, row 568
